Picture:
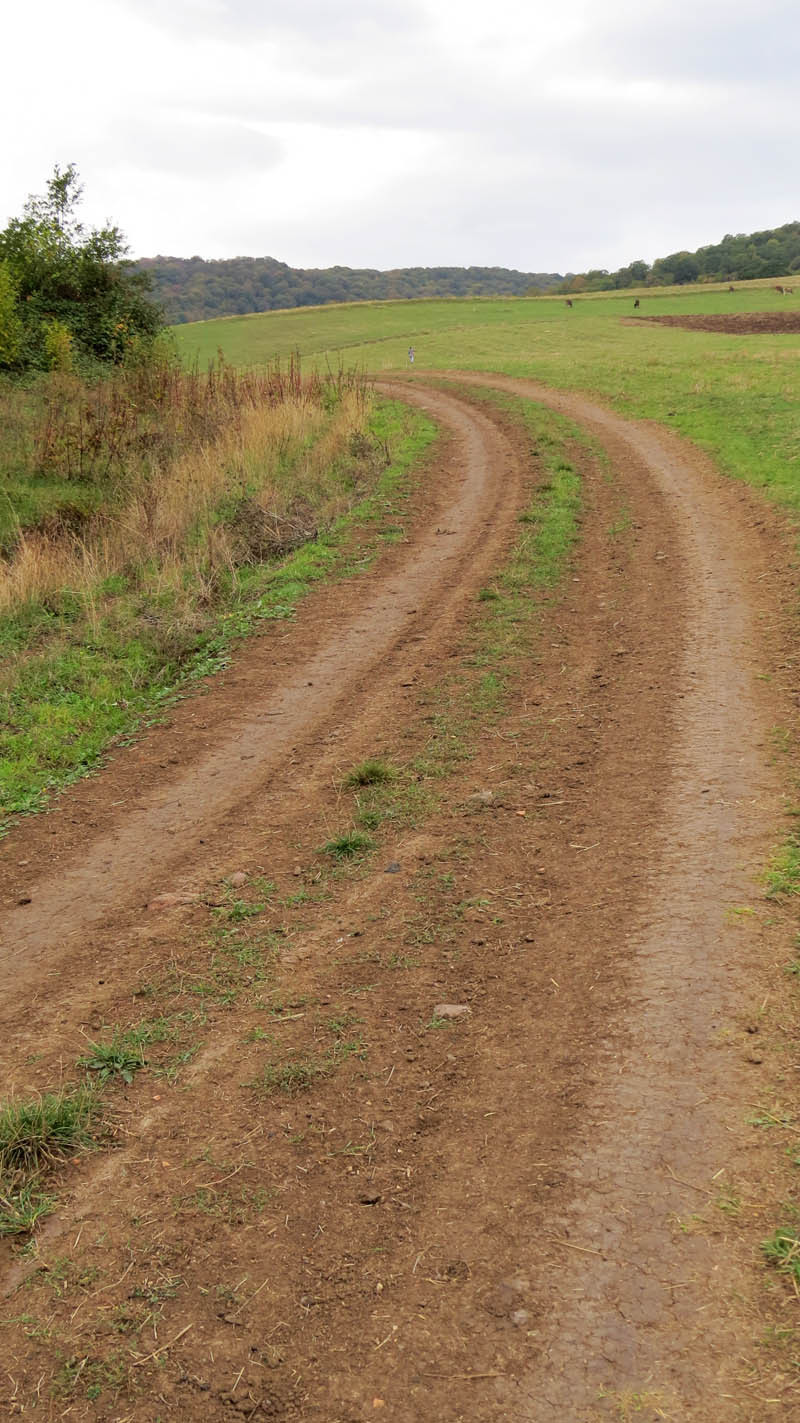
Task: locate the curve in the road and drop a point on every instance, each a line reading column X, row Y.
column 643, row 1316
column 126, row 865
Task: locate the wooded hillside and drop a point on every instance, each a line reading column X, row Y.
column 192, row 289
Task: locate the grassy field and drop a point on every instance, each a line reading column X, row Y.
column 734, row 395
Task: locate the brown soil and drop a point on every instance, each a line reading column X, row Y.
column 528, row 1212
column 735, row 323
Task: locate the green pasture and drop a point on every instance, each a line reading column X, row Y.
column 734, row 395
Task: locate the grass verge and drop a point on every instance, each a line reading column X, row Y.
column 85, row 669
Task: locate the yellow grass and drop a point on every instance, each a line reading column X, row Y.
column 272, row 455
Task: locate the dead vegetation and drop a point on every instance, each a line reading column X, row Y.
column 191, row 471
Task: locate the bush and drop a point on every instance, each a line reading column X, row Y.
column 67, row 293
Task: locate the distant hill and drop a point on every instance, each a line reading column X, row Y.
column 193, row 289
column 775, row 252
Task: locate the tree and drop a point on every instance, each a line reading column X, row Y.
column 633, row 276
column 685, row 267
column 61, row 276
column 10, row 323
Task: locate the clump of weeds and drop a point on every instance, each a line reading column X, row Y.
column 120, row 1057
column 123, row 1054
column 783, row 871
column 294, row 1076
column 298, row 1074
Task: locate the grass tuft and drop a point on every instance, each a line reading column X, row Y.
column 295, row 1076
column 35, row 1134
column 353, row 844
column 782, row 1249
column 21, row 1210
column 370, row 773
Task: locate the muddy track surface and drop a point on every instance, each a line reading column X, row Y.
column 506, row 1214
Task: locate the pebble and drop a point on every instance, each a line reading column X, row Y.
column 394, row 868
column 451, row 1010
column 370, row 1198
column 238, row 879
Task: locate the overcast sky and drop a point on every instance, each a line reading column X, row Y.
column 386, row 133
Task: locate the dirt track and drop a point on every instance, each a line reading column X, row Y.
column 535, row 1166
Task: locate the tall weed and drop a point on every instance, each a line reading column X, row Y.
column 180, row 460
column 201, row 487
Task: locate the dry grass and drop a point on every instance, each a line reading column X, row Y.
column 227, row 499
column 196, row 470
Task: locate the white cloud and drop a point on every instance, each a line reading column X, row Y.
column 392, row 132
column 193, row 146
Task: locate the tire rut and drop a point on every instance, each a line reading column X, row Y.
column 668, row 1120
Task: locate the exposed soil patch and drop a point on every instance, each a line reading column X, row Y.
column 734, row 323
column 476, row 1214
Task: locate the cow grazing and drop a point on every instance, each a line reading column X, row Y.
column 568, row 302
column 636, row 303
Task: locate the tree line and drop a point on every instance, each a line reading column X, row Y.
column 193, row 289
column 775, row 252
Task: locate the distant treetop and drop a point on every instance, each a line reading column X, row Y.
column 775, row 252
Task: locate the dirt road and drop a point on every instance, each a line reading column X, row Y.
column 524, row 1212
